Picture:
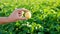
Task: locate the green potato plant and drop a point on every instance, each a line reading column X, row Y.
column 45, row 17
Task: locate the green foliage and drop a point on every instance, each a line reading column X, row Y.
column 45, row 17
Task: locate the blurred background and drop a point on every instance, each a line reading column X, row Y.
column 45, row 17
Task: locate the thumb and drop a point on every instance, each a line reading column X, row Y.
column 22, row 18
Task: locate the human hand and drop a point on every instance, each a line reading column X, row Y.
column 17, row 15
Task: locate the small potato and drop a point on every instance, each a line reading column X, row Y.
column 28, row 15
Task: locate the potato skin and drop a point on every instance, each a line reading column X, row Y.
column 28, row 15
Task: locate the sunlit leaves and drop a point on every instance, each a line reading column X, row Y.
column 45, row 17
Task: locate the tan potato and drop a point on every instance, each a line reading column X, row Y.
column 28, row 15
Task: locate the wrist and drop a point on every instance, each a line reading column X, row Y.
column 4, row 20
column 11, row 19
column 7, row 19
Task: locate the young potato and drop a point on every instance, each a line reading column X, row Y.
column 28, row 15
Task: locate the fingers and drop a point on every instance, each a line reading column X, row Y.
column 20, row 14
column 25, row 10
column 22, row 18
column 22, row 9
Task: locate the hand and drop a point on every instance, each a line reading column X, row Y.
column 17, row 15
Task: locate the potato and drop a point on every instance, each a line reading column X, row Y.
column 28, row 15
